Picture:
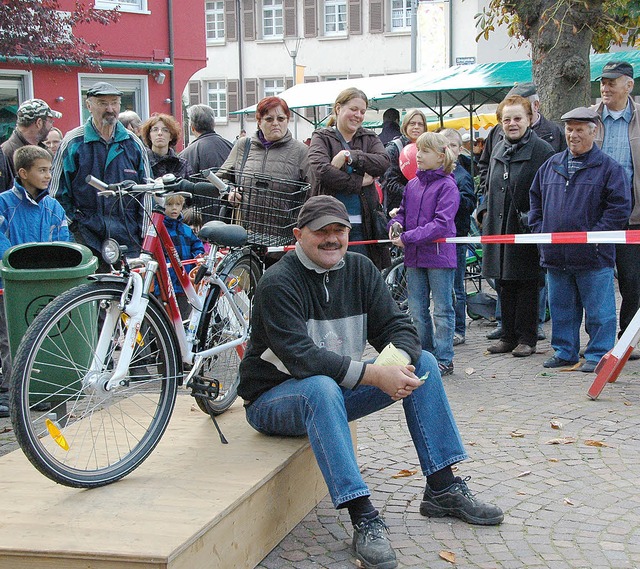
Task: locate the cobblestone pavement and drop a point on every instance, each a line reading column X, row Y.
column 566, row 505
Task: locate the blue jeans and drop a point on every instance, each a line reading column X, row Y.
column 571, row 292
column 437, row 283
column 319, row 408
column 459, row 290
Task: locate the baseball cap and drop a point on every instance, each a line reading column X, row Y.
column 523, row 89
column 33, row 109
column 615, row 69
column 466, row 137
column 319, row 211
column 101, row 89
column 582, row 114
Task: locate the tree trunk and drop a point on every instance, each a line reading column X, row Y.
column 561, row 40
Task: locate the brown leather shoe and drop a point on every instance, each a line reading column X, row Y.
column 500, row 347
column 523, row 350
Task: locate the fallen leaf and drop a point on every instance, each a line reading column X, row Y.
column 521, row 493
column 628, row 403
column 449, row 556
column 572, row 368
column 194, row 408
column 594, row 443
column 525, row 473
column 454, row 468
column 561, row 441
column 469, row 371
column 568, row 502
column 556, row 424
column 472, row 443
column 6, row 430
column 554, row 460
column 517, row 435
column 404, row 473
column 480, row 409
column 360, row 564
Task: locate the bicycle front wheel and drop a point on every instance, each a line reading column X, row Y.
column 220, row 325
column 395, row 277
column 69, row 426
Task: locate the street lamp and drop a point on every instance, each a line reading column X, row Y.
column 293, row 53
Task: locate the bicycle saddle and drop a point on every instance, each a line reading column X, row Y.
column 223, row 234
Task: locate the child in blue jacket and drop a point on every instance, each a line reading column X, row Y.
column 28, row 214
column 428, row 210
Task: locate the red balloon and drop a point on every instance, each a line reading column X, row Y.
column 407, row 161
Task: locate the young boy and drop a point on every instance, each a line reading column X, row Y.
column 27, row 215
column 186, row 243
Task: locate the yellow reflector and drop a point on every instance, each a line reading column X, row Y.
column 139, row 339
column 56, row 435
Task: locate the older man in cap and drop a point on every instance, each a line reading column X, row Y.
column 619, row 136
column 580, row 189
column 35, row 120
column 104, row 148
column 304, row 374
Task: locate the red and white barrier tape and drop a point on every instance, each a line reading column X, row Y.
column 631, row 236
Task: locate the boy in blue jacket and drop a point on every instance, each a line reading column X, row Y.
column 27, row 215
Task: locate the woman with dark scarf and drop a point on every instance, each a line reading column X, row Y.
column 512, row 168
column 161, row 133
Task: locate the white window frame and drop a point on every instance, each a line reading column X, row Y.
column 272, row 87
column 272, row 14
column 137, row 85
column 217, row 20
column 220, row 101
column 400, row 10
column 137, row 6
column 339, row 11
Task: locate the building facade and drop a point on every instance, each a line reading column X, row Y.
column 257, row 48
column 150, row 54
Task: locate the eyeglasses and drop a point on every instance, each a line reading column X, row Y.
column 414, row 123
column 106, row 104
column 157, row 129
column 269, row 120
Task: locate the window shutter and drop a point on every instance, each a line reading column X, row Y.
column 249, row 19
column 230, row 20
column 290, row 27
column 194, row 93
column 233, row 86
column 250, row 92
column 355, row 16
column 310, row 19
column 309, row 111
column 288, row 83
column 376, row 16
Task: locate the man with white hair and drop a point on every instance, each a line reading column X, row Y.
column 619, row 137
column 209, row 149
column 580, row 189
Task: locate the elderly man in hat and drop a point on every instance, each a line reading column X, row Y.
column 104, row 148
column 35, row 120
column 304, row 374
column 618, row 134
column 580, row 189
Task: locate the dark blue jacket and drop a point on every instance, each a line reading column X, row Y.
column 186, row 243
column 596, row 198
column 468, row 200
column 93, row 218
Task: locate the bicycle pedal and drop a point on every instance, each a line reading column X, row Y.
column 204, row 388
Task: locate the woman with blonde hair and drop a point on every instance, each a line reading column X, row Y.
column 345, row 158
column 427, row 213
column 393, row 182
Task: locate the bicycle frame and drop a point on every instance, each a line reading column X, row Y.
column 156, row 242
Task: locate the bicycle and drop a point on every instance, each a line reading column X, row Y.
column 104, row 355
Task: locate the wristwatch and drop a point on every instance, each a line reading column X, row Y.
column 347, row 155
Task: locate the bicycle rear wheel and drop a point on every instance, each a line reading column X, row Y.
column 241, row 274
column 395, row 278
column 90, row 437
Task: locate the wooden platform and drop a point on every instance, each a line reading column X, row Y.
column 195, row 503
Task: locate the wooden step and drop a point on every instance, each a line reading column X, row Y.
column 194, row 503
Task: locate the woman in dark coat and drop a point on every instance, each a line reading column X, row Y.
column 161, row 133
column 344, row 160
column 513, row 165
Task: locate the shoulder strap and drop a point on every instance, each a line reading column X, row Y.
column 345, row 144
column 398, row 143
column 245, row 154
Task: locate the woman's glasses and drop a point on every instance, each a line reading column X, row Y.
column 162, row 129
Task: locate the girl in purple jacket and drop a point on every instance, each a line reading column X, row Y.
column 427, row 212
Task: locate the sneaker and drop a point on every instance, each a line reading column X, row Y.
column 4, row 411
column 496, row 334
column 459, row 502
column 501, row 347
column 588, row 367
column 371, row 545
column 445, row 369
column 555, row 361
column 541, row 333
column 458, row 339
column 523, row 350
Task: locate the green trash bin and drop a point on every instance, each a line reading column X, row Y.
column 33, row 275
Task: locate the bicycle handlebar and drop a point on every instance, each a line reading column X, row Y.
column 156, row 187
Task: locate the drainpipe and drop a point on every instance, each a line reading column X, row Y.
column 240, row 71
column 172, row 80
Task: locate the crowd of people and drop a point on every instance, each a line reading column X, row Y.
column 317, row 307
